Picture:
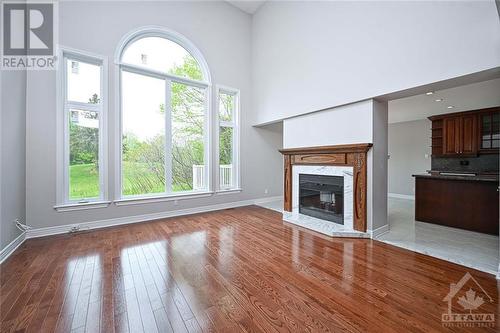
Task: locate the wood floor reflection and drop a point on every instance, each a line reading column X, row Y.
column 234, row 270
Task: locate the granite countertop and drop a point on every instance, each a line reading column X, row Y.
column 482, row 178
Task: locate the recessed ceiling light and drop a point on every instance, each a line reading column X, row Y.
column 429, row 93
column 439, row 100
column 450, row 106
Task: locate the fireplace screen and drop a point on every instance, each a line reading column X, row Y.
column 322, row 197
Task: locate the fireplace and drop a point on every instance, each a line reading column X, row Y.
column 325, row 188
column 322, row 197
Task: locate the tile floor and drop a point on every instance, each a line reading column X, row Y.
column 471, row 249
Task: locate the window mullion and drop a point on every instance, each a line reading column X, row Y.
column 66, row 151
column 226, row 124
column 207, row 135
column 162, row 75
column 84, row 106
column 168, row 136
column 236, row 141
column 102, row 162
column 235, row 151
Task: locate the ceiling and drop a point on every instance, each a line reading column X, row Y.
column 249, row 7
column 467, row 97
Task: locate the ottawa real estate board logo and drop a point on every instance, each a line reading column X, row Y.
column 28, row 35
column 466, row 301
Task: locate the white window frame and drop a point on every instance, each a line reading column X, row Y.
column 155, row 31
column 64, row 203
column 235, row 125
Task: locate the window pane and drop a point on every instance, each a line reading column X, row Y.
column 84, row 82
column 486, row 144
column 143, row 137
column 83, row 155
column 188, row 125
column 495, row 128
column 495, row 144
column 226, row 107
column 226, row 157
column 162, row 55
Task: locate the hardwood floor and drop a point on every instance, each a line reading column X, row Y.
column 234, row 270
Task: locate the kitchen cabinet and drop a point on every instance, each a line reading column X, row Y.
column 489, row 132
column 451, row 136
column 466, row 134
column 467, row 202
column 460, row 135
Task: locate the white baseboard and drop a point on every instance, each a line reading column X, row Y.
column 12, row 246
column 379, row 231
column 401, row 196
column 49, row 231
column 267, row 199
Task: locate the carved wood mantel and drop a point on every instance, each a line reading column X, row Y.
column 341, row 155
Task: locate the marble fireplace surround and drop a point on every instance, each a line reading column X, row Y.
column 349, row 161
column 326, row 227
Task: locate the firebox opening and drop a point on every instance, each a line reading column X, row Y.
column 322, row 197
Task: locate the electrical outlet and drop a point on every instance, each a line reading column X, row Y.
column 266, row 191
column 74, row 229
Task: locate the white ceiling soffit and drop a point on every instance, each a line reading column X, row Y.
column 463, row 98
column 249, row 7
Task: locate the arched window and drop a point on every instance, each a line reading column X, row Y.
column 164, row 101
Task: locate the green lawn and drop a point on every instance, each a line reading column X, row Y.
column 84, row 181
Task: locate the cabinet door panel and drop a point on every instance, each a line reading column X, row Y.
column 489, row 132
column 451, row 141
column 468, row 136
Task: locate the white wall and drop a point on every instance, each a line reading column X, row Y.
column 342, row 125
column 409, row 143
column 377, row 168
column 362, row 122
column 219, row 30
column 309, row 56
column 12, row 153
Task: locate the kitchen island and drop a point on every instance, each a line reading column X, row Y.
column 459, row 201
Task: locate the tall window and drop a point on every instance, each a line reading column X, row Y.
column 228, row 137
column 164, row 117
column 83, row 106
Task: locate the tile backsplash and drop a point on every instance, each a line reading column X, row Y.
column 482, row 163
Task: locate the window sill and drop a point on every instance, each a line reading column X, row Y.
column 81, row 206
column 163, row 198
column 228, row 191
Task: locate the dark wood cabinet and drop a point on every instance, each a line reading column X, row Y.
column 460, row 135
column 466, row 204
column 489, row 131
column 451, row 136
column 466, row 133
